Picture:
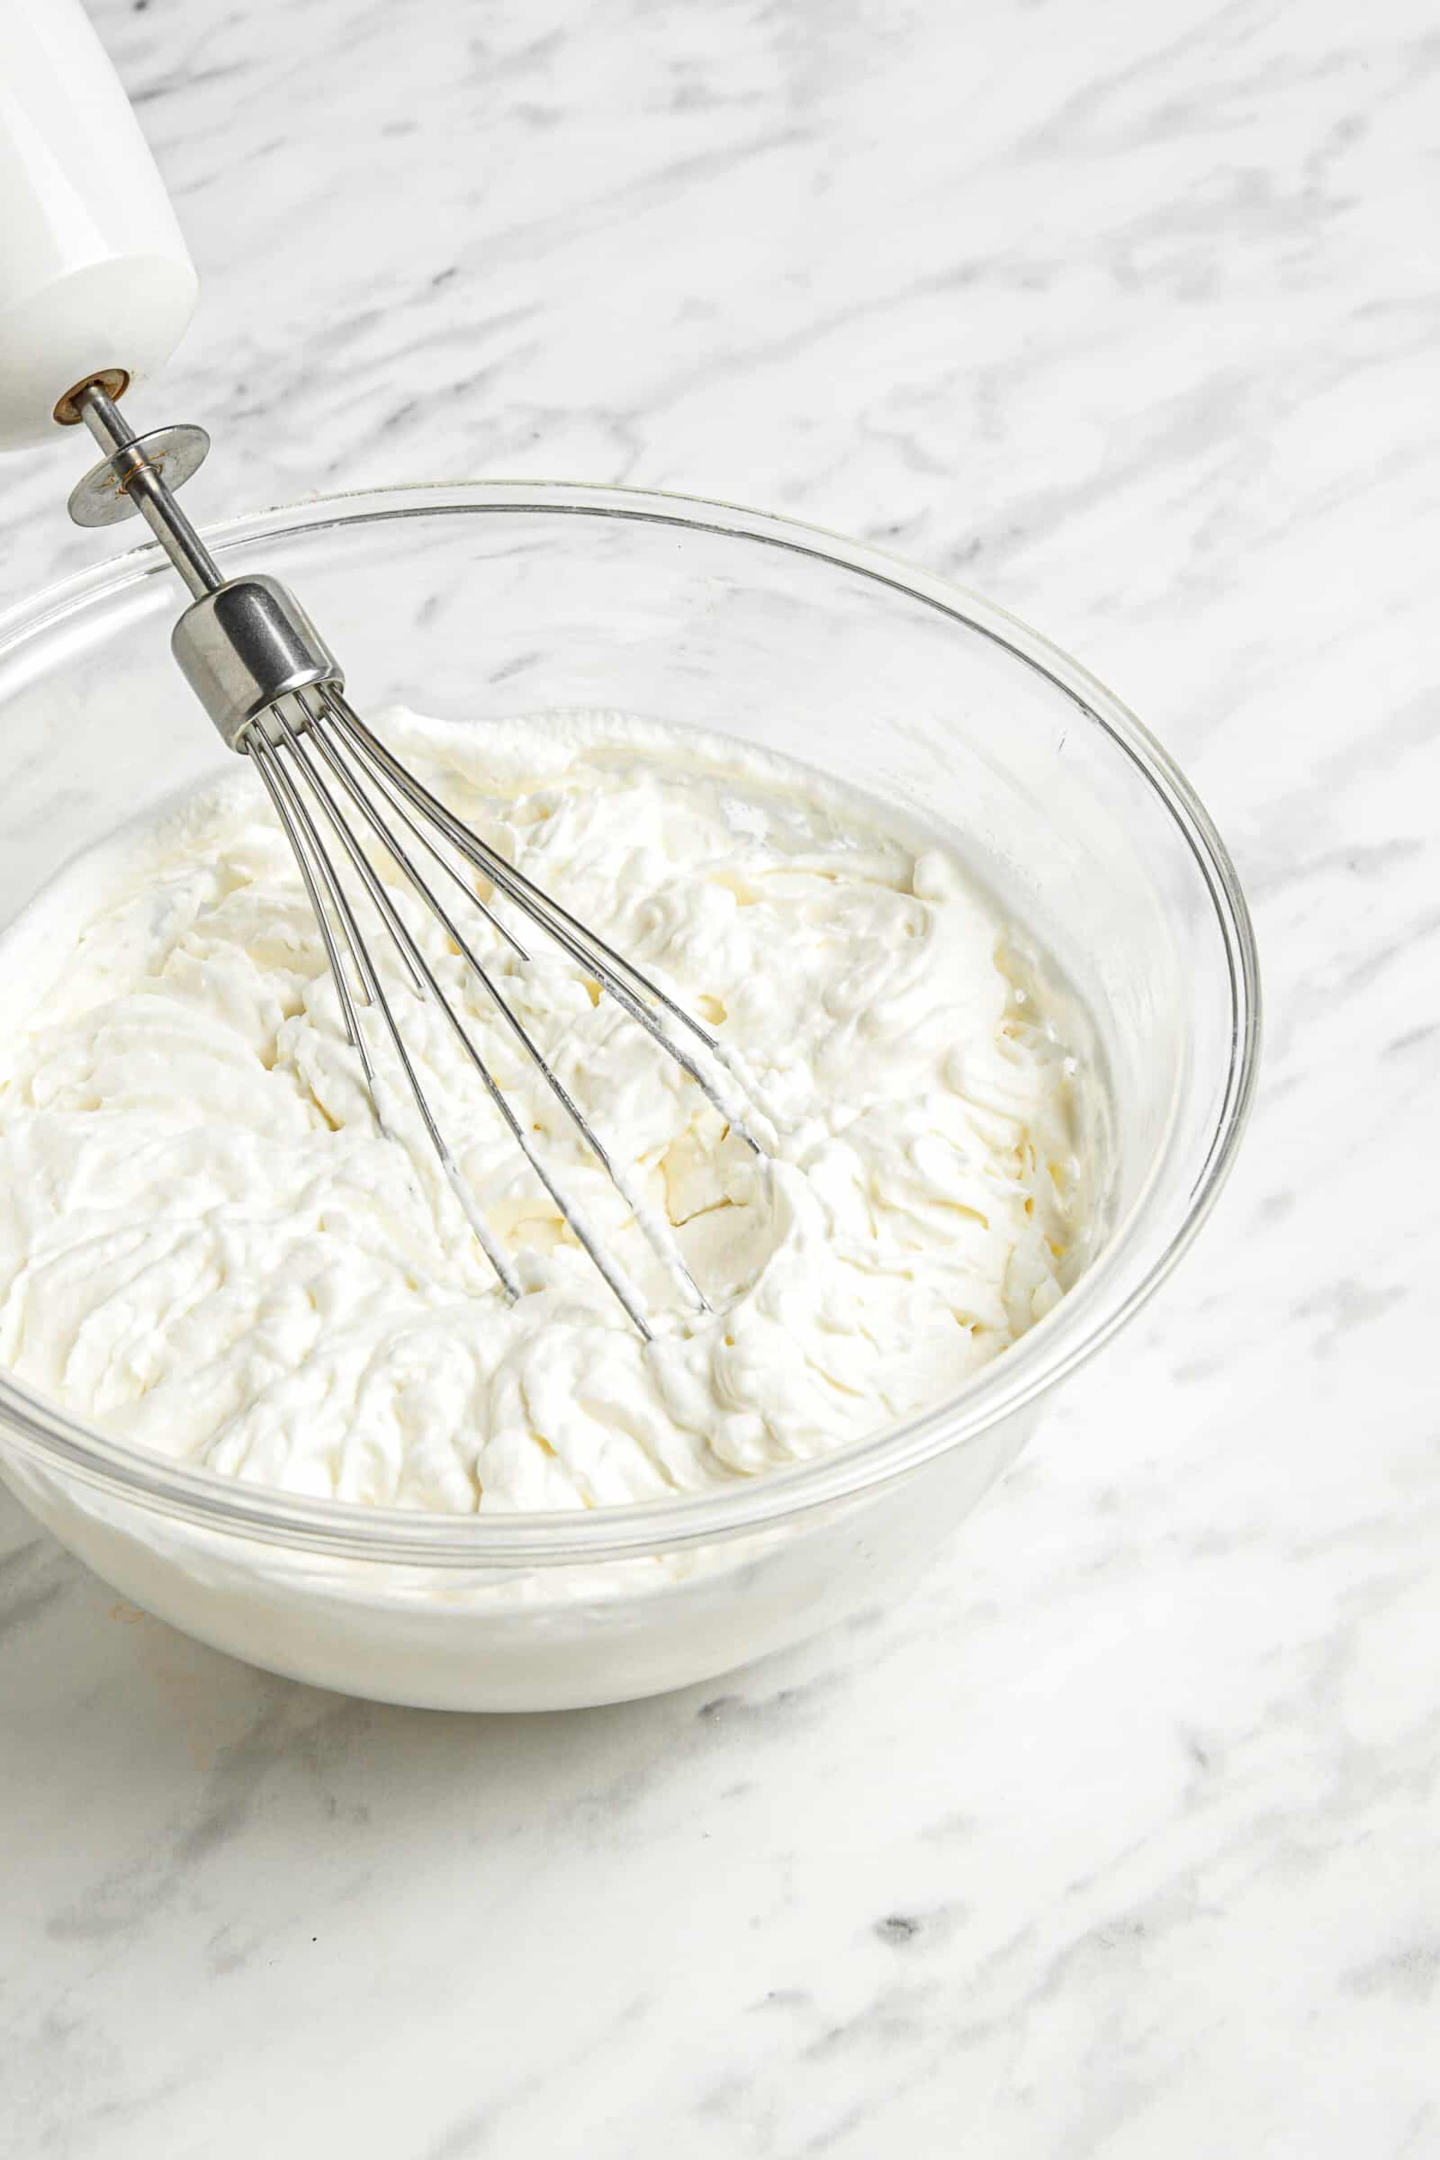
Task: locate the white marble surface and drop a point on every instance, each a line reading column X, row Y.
column 1119, row 1837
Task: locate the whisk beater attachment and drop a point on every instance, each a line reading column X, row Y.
column 276, row 693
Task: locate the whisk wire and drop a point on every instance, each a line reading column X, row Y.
column 573, row 937
column 287, row 762
column 302, row 854
column 299, row 820
column 662, row 1242
column 394, row 802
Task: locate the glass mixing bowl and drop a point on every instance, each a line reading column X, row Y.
column 471, row 600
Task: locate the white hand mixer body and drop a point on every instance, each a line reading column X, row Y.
column 96, row 283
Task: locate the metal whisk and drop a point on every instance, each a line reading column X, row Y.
column 276, row 693
column 96, row 287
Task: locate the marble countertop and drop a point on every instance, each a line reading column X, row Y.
column 1118, row 1837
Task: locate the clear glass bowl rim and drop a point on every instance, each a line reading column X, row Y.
column 1025, row 1371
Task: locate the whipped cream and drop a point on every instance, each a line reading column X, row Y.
column 209, row 1247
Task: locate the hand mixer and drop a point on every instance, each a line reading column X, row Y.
column 96, row 289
